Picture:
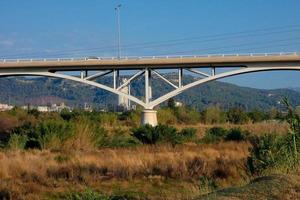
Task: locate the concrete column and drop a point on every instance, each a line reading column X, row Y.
column 82, row 74
column 180, row 74
column 149, row 117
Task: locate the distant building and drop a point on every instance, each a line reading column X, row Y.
column 59, row 108
column 50, row 108
column 42, row 108
column 178, row 104
column 87, row 107
column 5, row 107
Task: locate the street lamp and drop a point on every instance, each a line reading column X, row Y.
column 117, row 9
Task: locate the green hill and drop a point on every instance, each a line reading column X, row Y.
column 22, row 91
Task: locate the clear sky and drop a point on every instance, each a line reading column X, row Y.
column 69, row 28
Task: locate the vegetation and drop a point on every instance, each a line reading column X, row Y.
column 82, row 155
column 218, row 134
column 277, row 152
column 163, row 134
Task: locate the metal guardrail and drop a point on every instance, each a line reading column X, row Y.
column 149, row 57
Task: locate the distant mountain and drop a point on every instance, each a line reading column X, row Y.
column 43, row 91
column 297, row 89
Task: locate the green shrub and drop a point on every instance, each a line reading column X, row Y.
column 263, row 154
column 34, row 112
column 166, row 116
column 187, row 115
column 277, row 152
column 146, row 134
column 235, row 134
column 159, row 134
column 17, row 141
column 207, row 184
column 214, row 135
column 257, row 116
column 167, row 134
column 213, row 115
column 85, row 135
column 66, row 114
column 121, row 139
column 109, row 119
column 52, row 133
column 131, row 118
column 237, row 116
column 218, row 134
column 86, row 195
column 62, row 158
column 188, row 134
column 33, row 144
column 92, row 195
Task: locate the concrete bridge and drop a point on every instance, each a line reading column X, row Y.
column 92, row 68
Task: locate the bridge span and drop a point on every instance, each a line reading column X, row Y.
column 92, row 68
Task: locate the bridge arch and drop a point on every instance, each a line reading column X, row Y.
column 72, row 78
column 245, row 70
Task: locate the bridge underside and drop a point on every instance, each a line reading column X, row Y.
column 205, row 74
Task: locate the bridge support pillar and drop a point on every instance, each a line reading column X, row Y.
column 149, row 117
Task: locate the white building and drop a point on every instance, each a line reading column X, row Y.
column 59, row 108
column 42, row 108
column 178, row 104
column 5, row 107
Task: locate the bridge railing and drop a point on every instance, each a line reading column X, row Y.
column 148, row 57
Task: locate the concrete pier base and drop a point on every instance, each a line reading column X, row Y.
column 149, row 117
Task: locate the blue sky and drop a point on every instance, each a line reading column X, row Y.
column 65, row 28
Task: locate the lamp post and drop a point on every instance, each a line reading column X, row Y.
column 117, row 9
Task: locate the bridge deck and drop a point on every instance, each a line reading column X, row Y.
column 151, row 62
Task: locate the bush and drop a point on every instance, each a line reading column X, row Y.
column 109, row 119
column 86, row 195
column 188, row 134
column 214, row 135
column 121, row 139
column 131, row 118
column 146, row 134
column 263, row 153
column 92, row 195
column 17, row 141
column 207, row 184
column 33, row 144
column 66, row 114
column 237, row 116
column 168, row 134
column 162, row 134
column 235, row 134
column 277, row 152
column 86, row 135
column 218, row 134
column 257, row 116
column 187, row 115
column 166, row 116
column 213, row 115
column 52, row 133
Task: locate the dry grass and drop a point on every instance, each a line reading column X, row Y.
column 33, row 173
column 283, row 187
column 254, row 128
